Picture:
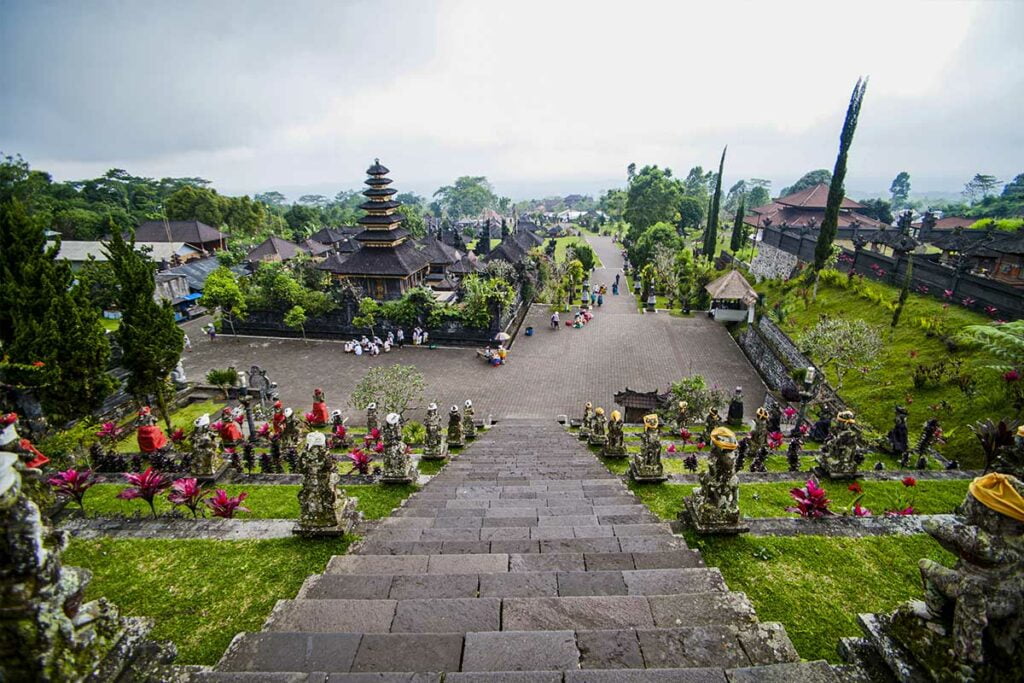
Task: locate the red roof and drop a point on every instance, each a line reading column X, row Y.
column 815, row 198
column 780, row 214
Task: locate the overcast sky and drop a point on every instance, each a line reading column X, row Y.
column 541, row 97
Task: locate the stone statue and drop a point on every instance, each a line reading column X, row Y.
column 682, row 415
column 371, row 418
column 971, row 625
column 588, row 414
column 820, row 431
column 291, row 433
column 616, row 447
column 148, row 433
column 735, row 414
column 713, row 508
column 468, row 426
column 178, row 376
column 323, row 511
column 841, row 454
column 774, row 417
column 455, row 436
column 46, row 632
column 712, row 421
column 227, row 427
column 398, row 466
column 897, row 437
column 598, row 437
column 320, row 415
column 205, row 460
column 1010, row 458
column 759, row 434
column 435, row 445
column 339, row 432
column 646, row 465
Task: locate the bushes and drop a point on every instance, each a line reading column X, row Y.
column 700, row 399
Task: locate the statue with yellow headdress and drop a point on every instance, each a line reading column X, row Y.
column 711, row 421
column 842, row 453
column 682, row 414
column 598, row 437
column 970, row 626
column 646, row 465
column 759, row 434
column 615, row 446
column 713, row 507
column 588, row 415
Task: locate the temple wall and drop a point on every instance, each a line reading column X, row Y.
column 772, row 263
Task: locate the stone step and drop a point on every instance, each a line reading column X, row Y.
column 416, row 532
column 463, row 615
column 509, row 585
column 621, row 653
column 606, row 544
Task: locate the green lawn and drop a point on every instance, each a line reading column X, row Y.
column 183, row 418
column 110, row 324
column 772, row 499
column 816, row 585
column 266, row 502
column 200, row 592
column 562, row 242
column 873, row 396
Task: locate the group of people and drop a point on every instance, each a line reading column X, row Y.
column 496, row 357
column 376, row 345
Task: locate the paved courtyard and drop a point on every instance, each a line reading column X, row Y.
column 548, row 374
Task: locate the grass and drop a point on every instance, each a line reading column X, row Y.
column 266, row 502
column 562, row 242
column 200, row 592
column 873, row 396
column 771, row 499
column 110, row 324
column 183, row 418
column 816, row 585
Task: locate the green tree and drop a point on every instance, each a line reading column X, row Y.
column 613, row 203
column 222, row 291
column 830, row 222
column 981, row 184
column 900, row 190
column 151, row 342
column 736, row 241
column 843, row 345
column 468, row 197
column 46, row 319
column 758, row 195
column 272, row 198
column 691, row 212
column 642, row 250
column 295, row 318
column 195, row 204
column 809, row 179
column 369, row 309
column 711, row 234
column 653, row 196
column 412, row 220
column 98, row 283
column 393, row 388
column 879, row 209
column 481, row 295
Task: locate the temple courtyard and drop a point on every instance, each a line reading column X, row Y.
column 548, row 374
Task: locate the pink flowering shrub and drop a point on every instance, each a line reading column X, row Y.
column 222, row 505
column 145, row 486
column 72, row 484
column 811, row 501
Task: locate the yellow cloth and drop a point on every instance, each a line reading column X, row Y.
column 995, row 491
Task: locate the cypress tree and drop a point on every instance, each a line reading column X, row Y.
column 151, row 342
column 711, row 234
column 46, row 319
column 737, row 227
column 830, row 222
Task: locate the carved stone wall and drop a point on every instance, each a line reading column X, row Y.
column 772, row 263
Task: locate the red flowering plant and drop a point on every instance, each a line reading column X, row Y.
column 685, row 434
column 789, row 412
column 310, row 419
column 701, row 445
column 360, row 460
column 263, row 431
column 217, row 426
column 71, row 484
column 775, row 440
column 378, row 447
column 178, row 435
column 904, row 503
column 109, row 432
column 859, row 511
column 671, row 448
column 222, row 505
column 855, row 487
column 145, row 486
column 811, row 501
column 372, row 436
column 188, row 493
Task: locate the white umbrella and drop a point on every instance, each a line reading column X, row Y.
column 502, row 336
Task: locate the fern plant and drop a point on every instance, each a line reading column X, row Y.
column 1003, row 342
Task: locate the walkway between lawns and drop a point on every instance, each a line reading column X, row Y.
column 523, row 560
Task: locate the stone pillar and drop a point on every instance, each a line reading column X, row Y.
column 398, row 466
column 841, row 454
column 323, row 511
column 207, row 465
column 435, row 445
column 714, row 508
column 371, row 418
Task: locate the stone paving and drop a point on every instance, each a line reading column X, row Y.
column 548, row 374
column 523, row 560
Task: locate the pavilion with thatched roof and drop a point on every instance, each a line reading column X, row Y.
column 732, row 298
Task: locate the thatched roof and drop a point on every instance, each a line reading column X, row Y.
column 732, row 285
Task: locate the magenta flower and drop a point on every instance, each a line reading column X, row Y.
column 804, row 429
column 1011, row 375
column 109, row 431
column 340, row 431
column 187, row 492
column 671, row 448
column 310, row 417
column 685, row 434
column 701, row 445
column 73, row 484
column 145, row 486
column 855, row 487
column 902, row 512
column 178, row 435
column 264, row 430
column 217, row 426
column 859, row 511
column 968, row 301
column 378, row 447
column 221, row 505
column 360, row 460
column 239, row 418
column 775, row 440
column 789, row 412
column 811, row 501
column 947, row 293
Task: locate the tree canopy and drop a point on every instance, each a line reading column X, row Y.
column 821, row 176
column 653, row 196
column 467, row 197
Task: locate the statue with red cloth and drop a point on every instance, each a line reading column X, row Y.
column 10, row 441
column 279, row 419
column 228, row 426
column 319, row 417
column 149, row 435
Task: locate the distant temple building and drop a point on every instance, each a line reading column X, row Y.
column 387, row 264
column 806, row 208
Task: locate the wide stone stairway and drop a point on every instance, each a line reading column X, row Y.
column 524, row 560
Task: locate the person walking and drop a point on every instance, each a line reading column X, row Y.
column 400, row 338
column 188, row 343
column 211, row 331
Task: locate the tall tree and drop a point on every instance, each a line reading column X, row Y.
column 900, row 189
column 45, row 318
column 711, row 234
column 222, row 291
column 737, row 228
column 467, row 197
column 982, row 184
column 691, row 213
column 652, row 197
column 830, row 222
column 151, row 342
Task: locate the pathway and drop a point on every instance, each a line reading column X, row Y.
column 523, row 555
column 548, row 374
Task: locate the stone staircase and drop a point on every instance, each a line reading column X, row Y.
column 524, row 560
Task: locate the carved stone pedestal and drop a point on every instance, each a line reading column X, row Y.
column 323, row 512
column 708, row 519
